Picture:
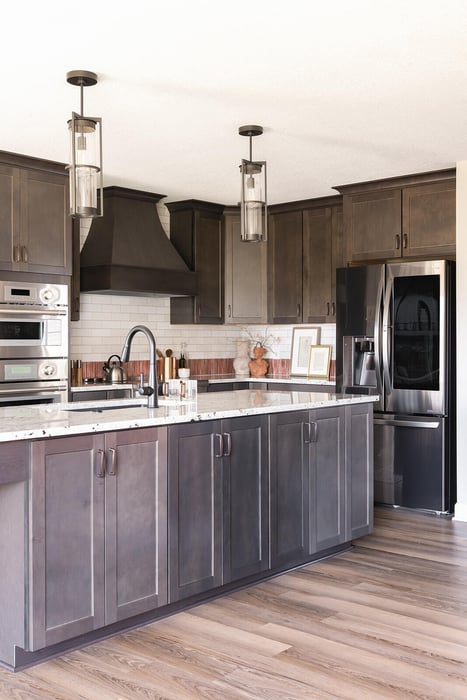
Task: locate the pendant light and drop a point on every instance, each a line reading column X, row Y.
column 85, row 169
column 253, row 193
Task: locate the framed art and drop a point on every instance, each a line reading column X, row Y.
column 303, row 338
column 320, row 361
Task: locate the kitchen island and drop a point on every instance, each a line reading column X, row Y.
column 114, row 514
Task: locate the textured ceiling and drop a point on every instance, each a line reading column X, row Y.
column 345, row 91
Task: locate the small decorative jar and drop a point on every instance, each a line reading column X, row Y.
column 242, row 360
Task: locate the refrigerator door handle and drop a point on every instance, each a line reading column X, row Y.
column 377, row 334
column 406, row 423
column 386, row 340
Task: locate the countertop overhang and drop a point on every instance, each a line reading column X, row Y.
column 60, row 420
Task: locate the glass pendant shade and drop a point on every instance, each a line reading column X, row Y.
column 85, row 168
column 253, row 201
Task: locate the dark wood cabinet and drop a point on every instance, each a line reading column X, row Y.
column 429, row 220
column 327, row 478
column 218, row 503
column 304, row 249
column 245, row 281
column 285, row 267
column 245, row 497
column 289, row 489
column 307, row 484
column 321, row 480
column 322, row 254
column 196, row 232
column 360, row 476
column 35, row 227
column 92, row 497
column 406, row 217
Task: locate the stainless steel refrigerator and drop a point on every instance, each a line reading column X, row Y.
column 395, row 336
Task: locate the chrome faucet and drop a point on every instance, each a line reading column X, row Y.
column 151, row 390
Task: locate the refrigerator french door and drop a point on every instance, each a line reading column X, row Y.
column 396, row 338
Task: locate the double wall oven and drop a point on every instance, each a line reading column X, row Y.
column 33, row 342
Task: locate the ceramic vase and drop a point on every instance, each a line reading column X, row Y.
column 241, row 362
column 258, row 366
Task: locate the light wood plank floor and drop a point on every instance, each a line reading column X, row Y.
column 385, row 620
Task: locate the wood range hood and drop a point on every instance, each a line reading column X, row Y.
column 127, row 251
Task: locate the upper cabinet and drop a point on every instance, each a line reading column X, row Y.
column 35, row 228
column 409, row 217
column 305, row 247
column 196, row 233
column 245, row 287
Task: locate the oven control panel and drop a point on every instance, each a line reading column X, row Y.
column 33, row 294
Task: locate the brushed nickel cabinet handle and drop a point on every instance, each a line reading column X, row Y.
column 16, row 254
column 228, row 442
column 307, row 433
column 333, row 308
column 298, row 310
column 24, row 254
column 398, row 241
column 220, row 444
column 229, row 311
column 112, row 462
column 100, row 464
column 405, row 240
column 328, row 308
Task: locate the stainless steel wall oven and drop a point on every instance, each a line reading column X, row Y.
column 34, row 329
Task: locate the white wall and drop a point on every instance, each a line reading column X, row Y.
column 461, row 304
column 106, row 319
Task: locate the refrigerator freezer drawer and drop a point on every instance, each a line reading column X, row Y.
column 410, row 462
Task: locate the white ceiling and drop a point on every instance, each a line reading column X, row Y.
column 345, row 91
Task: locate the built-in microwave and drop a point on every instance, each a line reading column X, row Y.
column 33, row 320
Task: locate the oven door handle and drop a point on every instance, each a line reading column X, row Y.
column 42, row 390
column 27, row 310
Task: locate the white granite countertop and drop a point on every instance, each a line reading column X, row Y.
column 58, row 420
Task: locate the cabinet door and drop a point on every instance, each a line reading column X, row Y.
column 245, row 497
column 210, row 268
column 245, row 276
column 327, row 478
column 135, row 522
column 285, row 267
column 429, row 220
column 372, row 225
column 195, row 509
column 289, row 489
column 359, row 456
column 9, row 217
column 67, row 579
column 317, row 265
column 45, row 223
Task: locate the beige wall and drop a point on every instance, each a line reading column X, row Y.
column 461, row 257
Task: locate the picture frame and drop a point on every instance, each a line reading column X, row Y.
column 320, row 361
column 303, row 337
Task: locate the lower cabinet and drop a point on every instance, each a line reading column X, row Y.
column 218, row 503
column 307, row 483
column 321, row 480
column 98, row 538
column 360, row 477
